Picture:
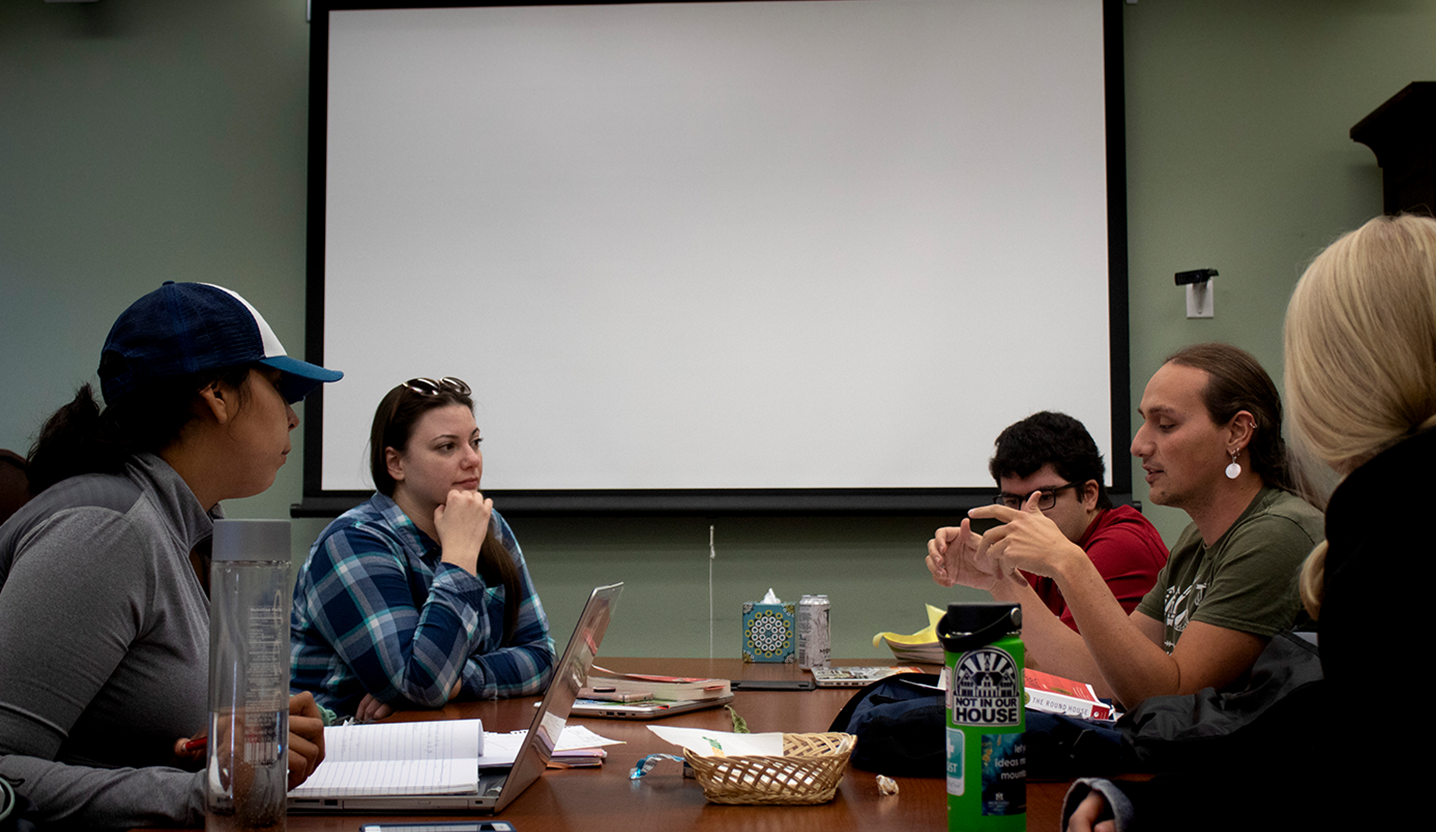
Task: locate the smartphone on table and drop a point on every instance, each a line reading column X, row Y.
column 441, row 826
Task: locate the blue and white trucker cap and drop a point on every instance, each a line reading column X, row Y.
column 181, row 329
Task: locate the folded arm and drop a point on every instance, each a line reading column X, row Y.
column 524, row 666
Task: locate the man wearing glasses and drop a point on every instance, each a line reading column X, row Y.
column 1210, row 444
column 1053, row 456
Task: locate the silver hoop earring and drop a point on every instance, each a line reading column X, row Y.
column 1235, row 469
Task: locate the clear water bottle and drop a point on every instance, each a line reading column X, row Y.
column 986, row 722
column 249, row 602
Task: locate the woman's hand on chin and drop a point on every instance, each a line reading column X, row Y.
column 463, row 523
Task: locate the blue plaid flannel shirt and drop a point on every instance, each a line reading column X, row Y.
column 375, row 610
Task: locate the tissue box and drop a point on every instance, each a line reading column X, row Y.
column 768, row 633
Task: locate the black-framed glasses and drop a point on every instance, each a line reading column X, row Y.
column 430, row 387
column 1047, row 500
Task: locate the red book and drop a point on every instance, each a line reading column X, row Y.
column 1056, row 695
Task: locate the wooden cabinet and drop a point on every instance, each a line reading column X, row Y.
column 1402, row 133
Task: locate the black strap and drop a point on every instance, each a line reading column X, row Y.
column 963, row 642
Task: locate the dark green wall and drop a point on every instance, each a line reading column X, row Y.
column 144, row 140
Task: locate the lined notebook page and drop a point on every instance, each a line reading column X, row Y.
column 435, row 757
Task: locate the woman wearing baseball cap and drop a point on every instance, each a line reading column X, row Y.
column 104, row 615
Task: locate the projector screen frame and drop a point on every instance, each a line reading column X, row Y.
column 318, row 502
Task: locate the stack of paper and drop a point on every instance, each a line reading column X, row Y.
column 634, row 687
column 577, row 747
column 707, row 743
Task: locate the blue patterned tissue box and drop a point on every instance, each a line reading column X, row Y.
column 768, row 633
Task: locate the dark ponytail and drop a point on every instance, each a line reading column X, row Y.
column 81, row 438
column 496, row 565
column 75, row 440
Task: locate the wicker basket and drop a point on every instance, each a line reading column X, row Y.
column 809, row 771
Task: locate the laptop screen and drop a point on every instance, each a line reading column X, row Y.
column 569, row 677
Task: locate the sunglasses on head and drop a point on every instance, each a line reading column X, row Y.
column 430, row 387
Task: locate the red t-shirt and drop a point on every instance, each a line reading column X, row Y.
column 1128, row 553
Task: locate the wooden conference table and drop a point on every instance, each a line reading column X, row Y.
column 596, row 800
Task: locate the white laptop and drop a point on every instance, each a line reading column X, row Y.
column 856, row 677
column 497, row 788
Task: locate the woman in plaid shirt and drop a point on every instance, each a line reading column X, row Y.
column 420, row 595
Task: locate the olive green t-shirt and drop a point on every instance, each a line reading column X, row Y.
column 1246, row 580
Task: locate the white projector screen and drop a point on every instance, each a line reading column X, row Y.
column 831, row 244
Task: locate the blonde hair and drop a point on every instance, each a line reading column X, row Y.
column 1360, row 342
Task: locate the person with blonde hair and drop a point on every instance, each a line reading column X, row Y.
column 1360, row 342
column 1361, row 378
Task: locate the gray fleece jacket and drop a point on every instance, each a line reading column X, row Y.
column 104, row 648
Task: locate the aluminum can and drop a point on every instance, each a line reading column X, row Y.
column 815, row 635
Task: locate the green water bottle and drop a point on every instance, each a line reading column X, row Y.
column 986, row 750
